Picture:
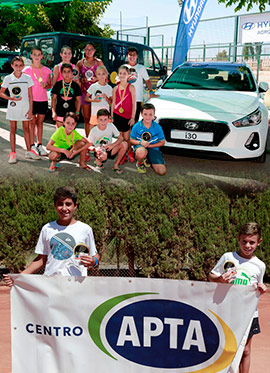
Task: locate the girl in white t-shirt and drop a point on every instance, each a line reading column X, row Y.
column 99, row 94
column 20, row 106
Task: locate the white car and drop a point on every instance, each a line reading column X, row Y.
column 214, row 107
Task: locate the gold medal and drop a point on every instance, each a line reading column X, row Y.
column 39, row 79
column 66, row 93
column 122, row 96
column 72, row 135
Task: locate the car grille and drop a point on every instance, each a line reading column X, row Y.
column 219, row 129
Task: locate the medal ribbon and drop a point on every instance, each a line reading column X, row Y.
column 40, row 74
column 64, row 90
column 69, row 141
column 122, row 96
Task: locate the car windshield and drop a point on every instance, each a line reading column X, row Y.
column 225, row 78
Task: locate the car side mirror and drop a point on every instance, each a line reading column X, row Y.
column 263, row 87
column 163, row 71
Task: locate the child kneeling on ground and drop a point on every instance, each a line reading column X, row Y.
column 147, row 136
column 101, row 138
column 66, row 142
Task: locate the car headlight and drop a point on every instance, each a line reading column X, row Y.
column 252, row 119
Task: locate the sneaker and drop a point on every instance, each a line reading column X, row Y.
column 140, row 167
column 34, row 149
column 131, row 157
column 123, row 160
column 31, row 154
column 12, row 158
column 146, row 163
column 41, row 151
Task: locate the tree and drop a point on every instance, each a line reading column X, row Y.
column 74, row 16
column 222, row 56
column 252, row 50
column 245, row 3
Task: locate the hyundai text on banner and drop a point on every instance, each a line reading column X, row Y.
column 189, row 19
column 254, row 28
column 84, row 324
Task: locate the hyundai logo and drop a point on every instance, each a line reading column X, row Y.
column 248, row 26
column 190, row 8
column 191, row 125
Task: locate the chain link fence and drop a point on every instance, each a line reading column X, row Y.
column 215, row 39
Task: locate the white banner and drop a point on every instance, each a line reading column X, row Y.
column 98, row 324
column 254, row 28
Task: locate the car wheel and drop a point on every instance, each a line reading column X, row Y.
column 261, row 158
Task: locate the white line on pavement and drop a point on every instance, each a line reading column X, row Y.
column 19, row 139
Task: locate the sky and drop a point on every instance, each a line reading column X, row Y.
column 136, row 13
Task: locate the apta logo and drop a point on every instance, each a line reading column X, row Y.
column 161, row 333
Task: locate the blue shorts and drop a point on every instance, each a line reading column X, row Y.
column 154, row 156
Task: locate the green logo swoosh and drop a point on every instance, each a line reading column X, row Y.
column 100, row 312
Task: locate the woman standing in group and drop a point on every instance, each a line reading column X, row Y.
column 87, row 68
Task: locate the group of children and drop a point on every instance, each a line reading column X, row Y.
column 56, row 250
column 108, row 112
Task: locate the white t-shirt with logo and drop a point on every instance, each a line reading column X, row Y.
column 142, row 75
column 58, row 241
column 99, row 138
column 97, row 89
column 18, row 87
column 249, row 271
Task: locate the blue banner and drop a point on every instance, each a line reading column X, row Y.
column 189, row 19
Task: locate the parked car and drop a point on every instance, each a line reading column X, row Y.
column 214, row 107
column 5, row 68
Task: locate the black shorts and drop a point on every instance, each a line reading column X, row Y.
column 40, row 107
column 255, row 327
column 121, row 123
column 63, row 156
column 138, row 111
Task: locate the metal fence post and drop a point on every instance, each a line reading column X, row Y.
column 148, row 36
column 258, row 60
column 230, row 51
column 235, row 38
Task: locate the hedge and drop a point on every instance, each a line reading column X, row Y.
column 166, row 230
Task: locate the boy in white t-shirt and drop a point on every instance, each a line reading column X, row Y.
column 99, row 94
column 243, row 268
column 138, row 75
column 20, row 106
column 58, row 239
column 101, row 139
